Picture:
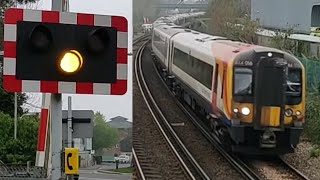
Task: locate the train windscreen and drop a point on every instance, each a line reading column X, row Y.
column 294, row 86
column 243, row 81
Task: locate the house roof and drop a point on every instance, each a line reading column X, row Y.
column 120, row 122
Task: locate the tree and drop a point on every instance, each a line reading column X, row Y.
column 104, row 136
column 4, row 4
column 7, row 99
column 144, row 8
column 22, row 149
column 231, row 19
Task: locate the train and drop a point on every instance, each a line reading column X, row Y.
column 249, row 96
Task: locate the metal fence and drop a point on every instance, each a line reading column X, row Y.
column 17, row 172
column 312, row 67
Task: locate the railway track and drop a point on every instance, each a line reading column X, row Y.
column 274, row 168
column 242, row 166
column 186, row 167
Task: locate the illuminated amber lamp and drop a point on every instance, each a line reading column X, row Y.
column 71, row 62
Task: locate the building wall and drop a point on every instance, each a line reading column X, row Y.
column 284, row 14
column 86, row 159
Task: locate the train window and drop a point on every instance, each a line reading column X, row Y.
column 156, row 37
column 194, row 67
column 242, row 81
column 294, row 87
column 160, row 44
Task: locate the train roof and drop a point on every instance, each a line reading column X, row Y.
column 174, row 18
column 170, row 29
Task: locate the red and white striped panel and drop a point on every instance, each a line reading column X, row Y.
column 43, row 130
column 11, row 84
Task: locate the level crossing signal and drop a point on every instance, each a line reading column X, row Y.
column 59, row 52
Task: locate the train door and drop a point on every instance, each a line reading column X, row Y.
column 269, row 93
column 215, row 88
column 166, row 59
column 171, row 53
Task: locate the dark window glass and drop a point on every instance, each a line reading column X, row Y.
column 194, row 67
column 294, row 86
column 160, row 44
column 242, row 81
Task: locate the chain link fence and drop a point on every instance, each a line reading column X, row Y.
column 312, row 67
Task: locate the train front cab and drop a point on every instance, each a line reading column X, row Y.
column 268, row 102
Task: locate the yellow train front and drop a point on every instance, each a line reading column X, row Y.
column 262, row 106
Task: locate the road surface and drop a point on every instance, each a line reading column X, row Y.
column 94, row 174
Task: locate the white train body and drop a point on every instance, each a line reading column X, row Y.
column 167, row 38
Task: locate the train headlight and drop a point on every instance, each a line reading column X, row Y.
column 235, row 110
column 245, row 111
column 298, row 113
column 288, row 112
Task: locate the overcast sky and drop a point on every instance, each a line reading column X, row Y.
column 110, row 106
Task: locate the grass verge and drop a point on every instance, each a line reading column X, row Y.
column 124, row 170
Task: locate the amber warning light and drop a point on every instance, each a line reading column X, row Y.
column 71, row 62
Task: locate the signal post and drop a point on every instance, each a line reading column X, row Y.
column 60, row 52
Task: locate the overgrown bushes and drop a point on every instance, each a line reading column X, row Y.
column 22, row 149
column 312, row 126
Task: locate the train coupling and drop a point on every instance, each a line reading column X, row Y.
column 268, row 139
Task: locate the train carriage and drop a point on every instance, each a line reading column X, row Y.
column 251, row 96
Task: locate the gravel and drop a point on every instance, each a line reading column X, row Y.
column 209, row 159
column 147, row 137
column 273, row 169
column 302, row 160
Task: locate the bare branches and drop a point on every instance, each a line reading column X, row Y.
column 30, row 5
column 231, row 18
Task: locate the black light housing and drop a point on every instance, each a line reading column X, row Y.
column 41, row 38
column 98, row 40
column 51, row 48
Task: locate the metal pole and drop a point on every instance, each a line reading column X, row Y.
column 15, row 115
column 69, row 122
column 57, row 5
column 56, row 117
column 49, row 143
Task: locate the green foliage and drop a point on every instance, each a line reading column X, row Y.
column 4, row 4
column 312, row 66
column 282, row 41
column 103, row 135
column 7, row 100
column 244, row 30
column 22, row 149
column 123, row 170
column 312, row 126
column 315, row 152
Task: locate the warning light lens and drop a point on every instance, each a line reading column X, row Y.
column 41, row 38
column 71, row 61
column 98, row 40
